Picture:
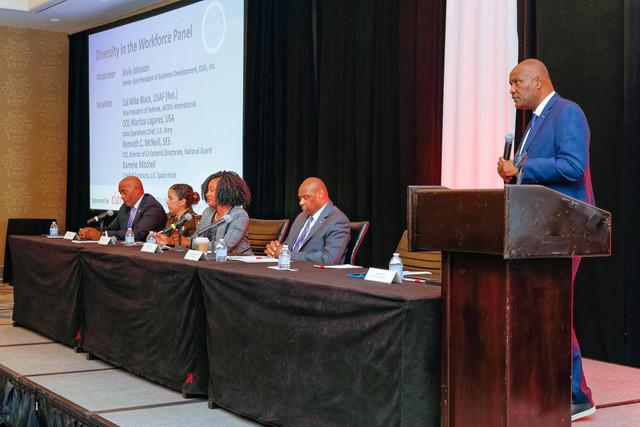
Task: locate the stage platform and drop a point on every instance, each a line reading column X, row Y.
column 94, row 393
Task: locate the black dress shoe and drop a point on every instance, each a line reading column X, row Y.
column 581, row 410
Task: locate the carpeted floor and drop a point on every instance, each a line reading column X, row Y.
column 6, row 304
column 124, row 399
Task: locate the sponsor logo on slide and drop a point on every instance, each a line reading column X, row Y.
column 214, row 26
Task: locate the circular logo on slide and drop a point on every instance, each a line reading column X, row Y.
column 214, row 27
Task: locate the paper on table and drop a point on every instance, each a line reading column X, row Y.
column 415, row 273
column 338, row 267
column 252, row 259
column 84, row 241
column 275, row 267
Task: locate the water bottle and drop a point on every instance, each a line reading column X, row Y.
column 151, row 237
column 221, row 251
column 284, row 260
column 395, row 264
column 53, row 229
column 129, row 237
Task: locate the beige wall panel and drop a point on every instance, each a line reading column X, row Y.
column 33, row 125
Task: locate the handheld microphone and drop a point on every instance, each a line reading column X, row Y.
column 100, row 217
column 177, row 224
column 508, row 143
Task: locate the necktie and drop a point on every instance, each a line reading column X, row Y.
column 132, row 215
column 303, row 234
column 532, row 124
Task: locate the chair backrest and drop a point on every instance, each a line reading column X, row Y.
column 25, row 227
column 262, row 231
column 358, row 231
column 419, row 261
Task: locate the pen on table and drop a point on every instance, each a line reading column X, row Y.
column 408, row 279
column 319, row 266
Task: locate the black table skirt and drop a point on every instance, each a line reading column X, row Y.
column 47, row 287
column 314, row 348
column 302, row 348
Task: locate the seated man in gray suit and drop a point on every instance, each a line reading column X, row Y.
column 140, row 211
column 321, row 232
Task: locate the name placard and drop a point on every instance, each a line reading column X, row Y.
column 382, row 276
column 107, row 240
column 150, row 248
column 70, row 235
column 193, row 255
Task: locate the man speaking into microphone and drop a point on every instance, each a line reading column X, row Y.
column 554, row 152
column 139, row 211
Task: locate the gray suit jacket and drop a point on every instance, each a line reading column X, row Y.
column 234, row 230
column 149, row 216
column 327, row 240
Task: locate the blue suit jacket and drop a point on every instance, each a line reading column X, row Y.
column 327, row 240
column 558, row 150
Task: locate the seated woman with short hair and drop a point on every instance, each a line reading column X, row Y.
column 226, row 194
column 180, row 199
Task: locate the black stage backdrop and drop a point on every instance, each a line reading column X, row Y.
column 582, row 44
column 352, row 92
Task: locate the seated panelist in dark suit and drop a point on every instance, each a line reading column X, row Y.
column 321, row 232
column 180, row 198
column 140, row 211
column 225, row 218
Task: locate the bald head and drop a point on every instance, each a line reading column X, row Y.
column 313, row 195
column 529, row 84
column 131, row 190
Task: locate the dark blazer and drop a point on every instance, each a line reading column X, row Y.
column 149, row 216
column 558, row 150
column 189, row 227
column 327, row 240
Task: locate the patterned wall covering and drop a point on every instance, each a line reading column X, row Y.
column 33, row 126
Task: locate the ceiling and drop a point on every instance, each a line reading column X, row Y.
column 73, row 15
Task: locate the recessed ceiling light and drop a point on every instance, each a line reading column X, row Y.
column 54, row 19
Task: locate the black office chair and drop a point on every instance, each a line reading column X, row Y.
column 25, row 227
column 262, row 231
column 358, row 231
column 430, row 261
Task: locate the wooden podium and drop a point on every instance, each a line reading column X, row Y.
column 507, row 295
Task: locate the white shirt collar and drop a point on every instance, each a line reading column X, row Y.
column 137, row 204
column 318, row 213
column 540, row 108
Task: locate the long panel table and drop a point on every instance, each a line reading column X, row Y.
column 310, row 347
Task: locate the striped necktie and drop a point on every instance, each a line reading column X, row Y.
column 303, row 234
column 132, row 215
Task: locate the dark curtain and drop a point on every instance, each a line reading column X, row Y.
column 590, row 67
column 78, row 131
column 631, row 176
column 281, row 118
column 350, row 92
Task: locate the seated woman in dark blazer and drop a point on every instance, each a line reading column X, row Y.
column 225, row 218
column 180, row 198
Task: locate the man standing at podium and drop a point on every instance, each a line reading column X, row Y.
column 554, row 152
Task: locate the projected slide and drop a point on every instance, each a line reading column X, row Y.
column 165, row 100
